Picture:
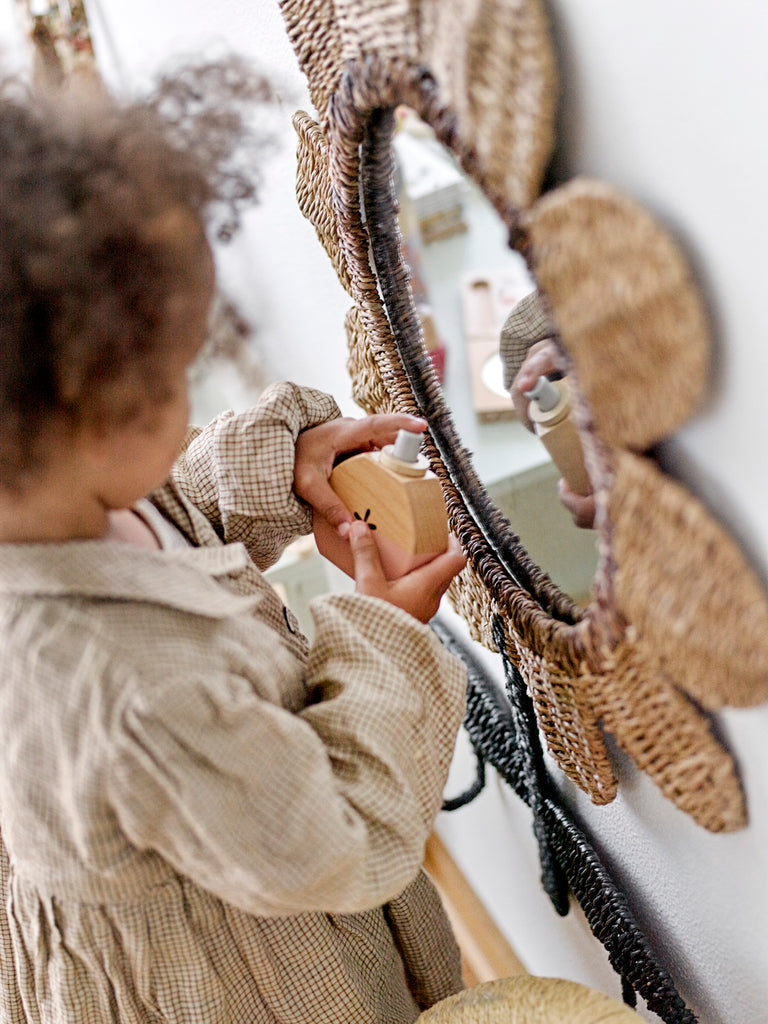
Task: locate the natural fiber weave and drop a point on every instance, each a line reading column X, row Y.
column 479, row 49
column 315, row 34
column 529, row 1000
column 313, row 190
column 625, row 306
column 572, row 658
column 665, row 543
column 667, row 736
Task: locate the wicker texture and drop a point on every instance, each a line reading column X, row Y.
column 479, row 50
column 626, row 308
column 313, row 190
column 315, row 35
column 529, row 1000
column 666, row 735
column 665, row 543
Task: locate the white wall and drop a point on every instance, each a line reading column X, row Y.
column 669, row 100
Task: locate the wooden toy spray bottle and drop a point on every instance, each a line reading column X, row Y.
column 550, row 413
column 395, row 492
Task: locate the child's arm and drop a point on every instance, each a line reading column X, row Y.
column 238, row 470
column 325, row 807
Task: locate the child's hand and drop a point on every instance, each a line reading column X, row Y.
column 582, row 508
column 318, row 447
column 418, row 592
column 542, row 359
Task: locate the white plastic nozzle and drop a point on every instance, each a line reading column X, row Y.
column 406, row 446
column 545, row 393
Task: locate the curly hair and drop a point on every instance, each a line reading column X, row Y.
column 104, row 210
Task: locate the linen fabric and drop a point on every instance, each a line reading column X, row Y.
column 205, row 819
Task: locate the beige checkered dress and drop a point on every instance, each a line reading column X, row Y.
column 204, row 819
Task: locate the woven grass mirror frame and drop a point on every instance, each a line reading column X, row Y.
column 624, row 664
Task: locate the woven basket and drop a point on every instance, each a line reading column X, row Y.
column 529, row 1000
column 623, row 663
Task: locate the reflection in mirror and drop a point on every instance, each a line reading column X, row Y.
column 465, row 280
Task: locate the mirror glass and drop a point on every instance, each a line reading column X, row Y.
column 465, row 280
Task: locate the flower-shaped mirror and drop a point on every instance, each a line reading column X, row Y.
column 676, row 622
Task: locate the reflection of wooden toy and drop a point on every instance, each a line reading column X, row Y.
column 550, row 414
column 395, row 492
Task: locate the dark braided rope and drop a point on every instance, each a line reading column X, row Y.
column 503, row 734
column 469, row 794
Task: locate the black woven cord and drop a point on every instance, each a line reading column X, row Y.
column 455, row 802
column 531, row 782
column 494, row 729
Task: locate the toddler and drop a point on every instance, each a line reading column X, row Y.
column 203, row 818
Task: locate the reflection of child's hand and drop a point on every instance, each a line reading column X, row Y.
column 542, row 358
column 582, row 509
column 318, row 447
column 418, row 592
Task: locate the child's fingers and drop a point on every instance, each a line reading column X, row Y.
column 327, row 504
column 420, row 591
column 581, row 507
column 376, row 431
column 541, row 360
column 369, row 575
column 310, row 482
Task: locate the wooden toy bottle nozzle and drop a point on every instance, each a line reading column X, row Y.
column 550, row 414
column 401, row 500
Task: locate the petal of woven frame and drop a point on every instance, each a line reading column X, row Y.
column 315, row 36
column 479, row 50
column 666, row 736
column 313, row 190
column 707, row 629
column 555, row 678
column 626, row 309
column 368, row 388
column 381, row 27
column 562, row 698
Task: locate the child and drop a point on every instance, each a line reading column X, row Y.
column 203, row 819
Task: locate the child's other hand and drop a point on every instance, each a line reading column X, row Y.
column 582, row 508
column 418, row 592
column 318, row 447
column 542, row 359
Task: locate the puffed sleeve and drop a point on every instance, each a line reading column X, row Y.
column 526, row 323
column 238, row 470
column 279, row 812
